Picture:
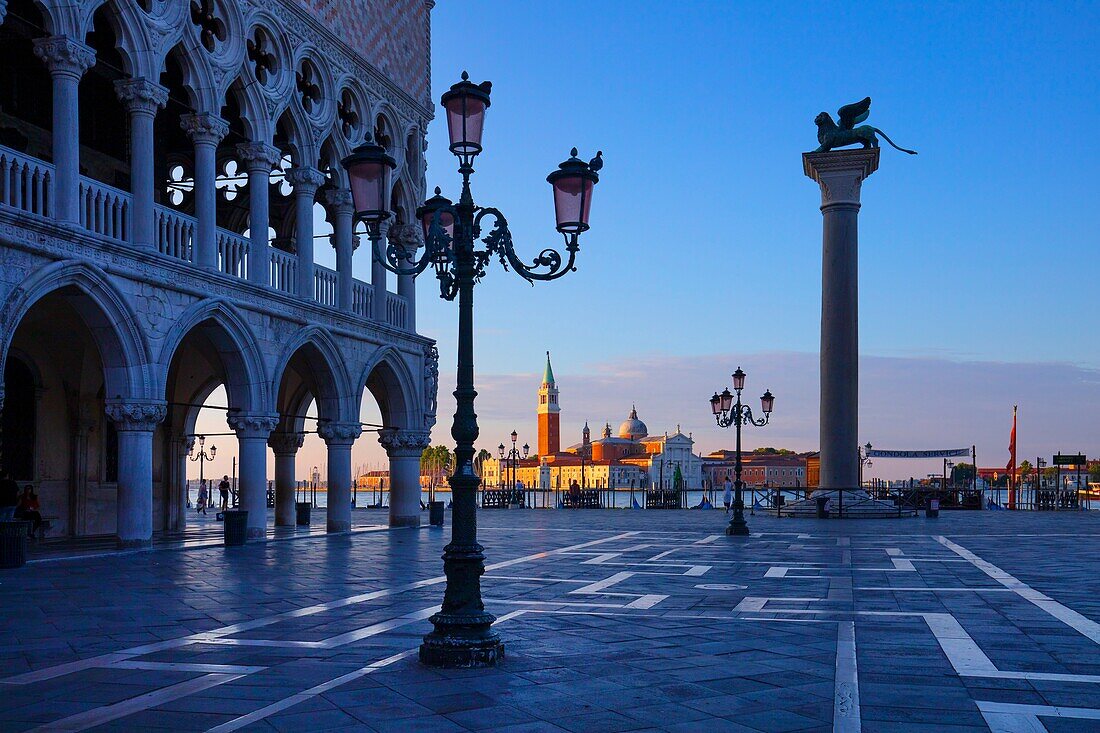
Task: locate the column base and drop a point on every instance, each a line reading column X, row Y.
column 256, row 533
column 134, row 544
column 410, row 521
column 334, row 525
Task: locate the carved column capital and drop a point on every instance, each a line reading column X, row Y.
column 252, row 424
column 285, row 444
column 339, row 433
column 64, row 56
column 340, row 201
column 259, row 156
column 404, row 443
column 185, row 443
column 305, row 180
column 204, row 128
column 136, row 415
column 406, row 237
column 840, row 173
column 141, row 95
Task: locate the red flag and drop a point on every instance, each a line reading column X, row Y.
column 1011, row 467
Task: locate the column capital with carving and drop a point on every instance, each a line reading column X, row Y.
column 340, row 201
column 186, row 444
column 259, row 156
column 404, row 443
column 840, row 173
column 136, row 415
column 339, row 433
column 285, row 444
column 305, row 180
column 204, row 128
column 141, row 95
column 64, row 56
column 252, row 424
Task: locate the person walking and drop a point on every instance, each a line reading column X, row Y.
column 727, row 495
column 9, row 497
column 204, row 496
column 223, row 489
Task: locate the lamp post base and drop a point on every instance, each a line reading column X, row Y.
column 738, row 530
column 461, row 646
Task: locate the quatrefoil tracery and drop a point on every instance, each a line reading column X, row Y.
column 212, row 29
column 349, row 116
column 265, row 65
column 308, row 88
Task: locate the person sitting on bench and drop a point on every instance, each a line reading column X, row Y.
column 29, row 509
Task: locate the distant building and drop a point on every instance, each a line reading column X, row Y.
column 757, row 469
column 631, row 458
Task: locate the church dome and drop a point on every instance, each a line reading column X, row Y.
column 633, row 428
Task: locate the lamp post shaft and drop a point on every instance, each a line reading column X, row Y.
column 463, row 635
column 737, row 525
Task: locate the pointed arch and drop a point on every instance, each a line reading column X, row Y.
column 335, row 400
column 238, row 350
column 198, row 79
column 123, row 349
column 389, row 379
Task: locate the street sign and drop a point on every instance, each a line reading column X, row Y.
column 1064, row 459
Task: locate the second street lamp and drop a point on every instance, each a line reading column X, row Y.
column 463, row 635
column 726, row 413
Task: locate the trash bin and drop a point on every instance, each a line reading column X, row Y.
column 435, row 513
column 933, row 508
column 13, row 543
column 236, row 527
column 303, row 508
column 822, row 507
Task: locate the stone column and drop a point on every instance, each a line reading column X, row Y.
column 259, row 160
column 253, row 431
column 67, row 61
column 339, row 437
column 378, row 277
column 344, row 242
column 285, row 446
column 180, row 447
column 410, row 238
column 142, row 98
column 404, row 448
column 135, row 421
column 206, row 131
column 840, row 174
column 306, row 181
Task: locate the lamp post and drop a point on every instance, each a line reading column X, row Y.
column 202, row 456
column 727, row 413
column 463, row 634
column 864, row 452
column 513, row 456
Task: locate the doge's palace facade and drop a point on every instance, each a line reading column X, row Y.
column 161, row 162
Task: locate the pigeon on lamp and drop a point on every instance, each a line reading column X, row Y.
column 596, row 163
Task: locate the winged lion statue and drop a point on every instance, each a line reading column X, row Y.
column 831, row 135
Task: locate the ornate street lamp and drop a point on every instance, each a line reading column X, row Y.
column 202, row 456
column 864, row 453
column 726, row 413
column 463, row 634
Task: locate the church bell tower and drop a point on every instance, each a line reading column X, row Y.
column 549, row 433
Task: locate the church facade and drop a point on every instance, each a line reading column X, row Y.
column 629, row 459
column 162, row 165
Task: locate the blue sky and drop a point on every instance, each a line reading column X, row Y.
column 978, row 256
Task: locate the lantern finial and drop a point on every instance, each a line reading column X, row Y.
column 465, row 76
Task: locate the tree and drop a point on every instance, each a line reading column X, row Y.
column 769, row 451
column 479, row 461
column 962, row 473
column 678, row 479
column 1094, row 472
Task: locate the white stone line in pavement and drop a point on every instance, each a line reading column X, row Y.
column 1082, row 625
column 599, row 585
column 601, row 558
column 280, row 705
column 186, row 667
column 846, row 682
column 47, row 673
column 936, row 590
column 107, row 713
column 1004, row 717
column 334, row 641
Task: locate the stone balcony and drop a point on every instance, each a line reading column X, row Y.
column 26, row 189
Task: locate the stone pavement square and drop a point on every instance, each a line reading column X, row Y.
column 613, row 620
